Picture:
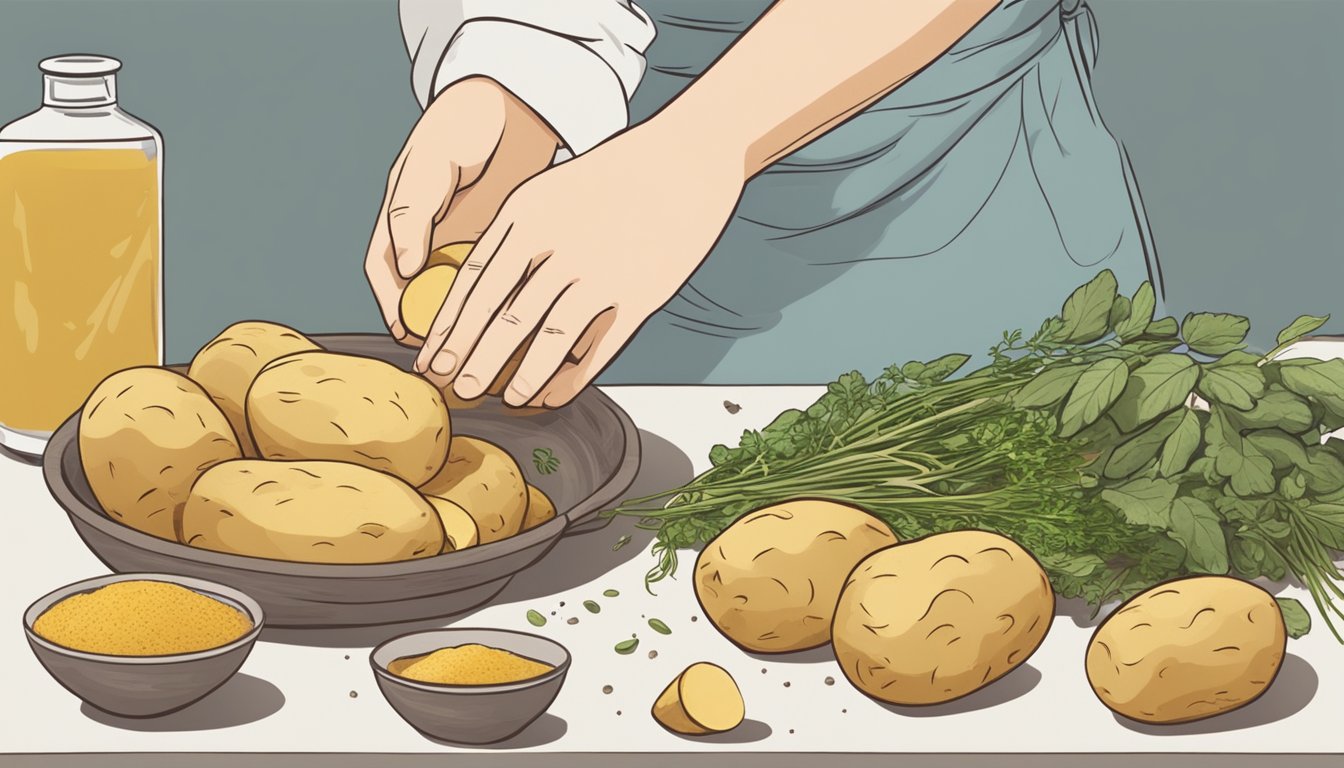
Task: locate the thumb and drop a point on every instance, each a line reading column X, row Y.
column 420, row 196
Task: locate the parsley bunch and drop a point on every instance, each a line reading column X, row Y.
column 1080, row 442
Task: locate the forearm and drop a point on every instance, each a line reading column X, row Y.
column 765, row 97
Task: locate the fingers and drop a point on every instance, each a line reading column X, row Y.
column 437, row 358
column 421, row 190
column 539, row 298
column 381, row 271
column 605, row 337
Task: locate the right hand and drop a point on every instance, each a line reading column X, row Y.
column 474, row 144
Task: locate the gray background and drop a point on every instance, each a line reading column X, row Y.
column 282, row 116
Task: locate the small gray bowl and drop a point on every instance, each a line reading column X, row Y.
column 143, row 686
column 470, row 714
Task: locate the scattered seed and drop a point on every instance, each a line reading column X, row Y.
column 627, row 646
column 790, row 730
column 653, row 654
column 573, row 620
column 354, row 694
column 762, row 670
column 347, row 657
column 843, row 711
column 592, row 606
column 787, row 683
column 621, row 542
column 562, row 603
column 535, row 619
column 618, row 713
column 607, row 689
column 659, row 627
column 552, row 613
column 830, row 680
column 611, row 593
column 695, row 618
column 731, row 407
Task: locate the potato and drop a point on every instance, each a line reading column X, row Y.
column 459, row 530
column 309, row 512
column 320, row 405
column 453, row 254
column 483, row 479
column 226, row 366
column 940, row 617
column 1188, row 649
column 540, row 508
column 703, row 699
column 145, row 435
column 769, row 581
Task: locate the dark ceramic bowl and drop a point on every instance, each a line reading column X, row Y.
column 470, row 714
column 143, row 686
column 595, row 441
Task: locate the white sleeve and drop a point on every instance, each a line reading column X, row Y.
column 575, row 63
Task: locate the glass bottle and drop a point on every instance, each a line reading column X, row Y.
column 80, row 248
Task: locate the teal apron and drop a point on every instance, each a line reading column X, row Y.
column 969, row 201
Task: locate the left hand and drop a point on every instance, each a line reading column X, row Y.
column 585, row 252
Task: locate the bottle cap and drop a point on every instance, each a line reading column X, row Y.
column 79, row 65
column 79, row 80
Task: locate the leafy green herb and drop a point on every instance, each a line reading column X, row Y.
column 621, row 542
column 659, row 627
column 627, row 646
column 1079, row 442
column 592, row 606
column 536, row 619
column 545, row 461
column 611, row 593
column 1295, row 617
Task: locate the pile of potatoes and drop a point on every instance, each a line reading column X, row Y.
column 273, row 447
column 931, row 620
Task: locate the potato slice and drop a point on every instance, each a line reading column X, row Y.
column 459, row 530
column 703, row 699
column 540, row 508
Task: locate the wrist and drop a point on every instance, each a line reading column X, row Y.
column 704, row 136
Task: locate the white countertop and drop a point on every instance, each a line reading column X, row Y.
column 297, row 698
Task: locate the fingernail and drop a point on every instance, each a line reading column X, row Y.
column 467, row 387
column 444, row 363
column 516, row 397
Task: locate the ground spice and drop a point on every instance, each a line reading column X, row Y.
column 471, row 664
column 141, row 618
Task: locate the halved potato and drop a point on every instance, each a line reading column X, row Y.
column 459, row 530
column 703, row 699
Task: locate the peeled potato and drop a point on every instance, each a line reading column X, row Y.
column 483, row 479
column 539, row 508
column 703, row 699
column 459, row 530
column 770, row 581
column 1188, row 649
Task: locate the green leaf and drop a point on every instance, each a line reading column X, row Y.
column 1282, row 449
column 940, row 369
column 1195, row 525
column 1323, row 381
column 1236, row 385
column 1301, row 327
column 1214, row 334
column 1048, row 387
column 659, row 627
column 1294, row 485
column 1236, row 357
column 1249, row 470
column 1088, row 309
column 1141, row 309
column 1143, row 501
column 1277, row 408
column 1327, row 522
column 1119, row 311
column 1324, row 470
column 1077, row 565
column 1181, row 444
column 1295, row 617
column 627, row 646
column 536, row 619
column 1154, row 389
column 719, row 454
column 782, row 422
column 1166, row 326
column 1136, row 452
column 1097, row 389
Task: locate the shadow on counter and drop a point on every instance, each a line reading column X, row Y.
column 243, row 699
column 1290, row 693
column 546, row 729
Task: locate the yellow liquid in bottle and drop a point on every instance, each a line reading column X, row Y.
column 79, row 277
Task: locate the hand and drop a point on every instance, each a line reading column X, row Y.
column 473, row 145
column 583, row 254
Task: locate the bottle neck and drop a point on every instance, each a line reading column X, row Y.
column 70, row 92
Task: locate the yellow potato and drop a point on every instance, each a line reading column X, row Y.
column 540, row 508
column 320, row 405
column 453, row 254
column 940, row 617
column 311, row 512
column 701, row 700
column 226, row 366
column 145, row 435
column 459, row 530
column 769, row 581
column 1188, row 649
column 483, row 479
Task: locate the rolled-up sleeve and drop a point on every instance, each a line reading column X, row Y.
column 574, row 63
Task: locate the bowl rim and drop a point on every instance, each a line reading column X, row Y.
column 559, row 670
column 63, row 449
column 211, row 589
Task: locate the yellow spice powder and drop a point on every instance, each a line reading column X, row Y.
column 141, row 618
column 471, row 664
